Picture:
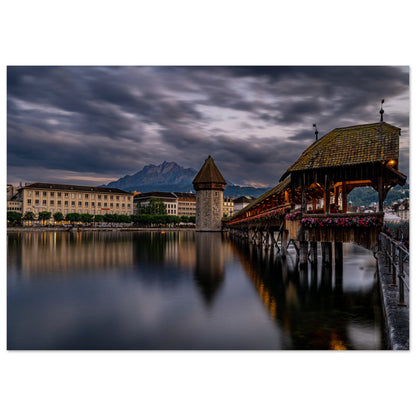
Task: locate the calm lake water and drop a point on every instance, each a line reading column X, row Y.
column 182, row 290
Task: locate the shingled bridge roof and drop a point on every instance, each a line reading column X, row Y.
column 280, row 187
column 367, row 143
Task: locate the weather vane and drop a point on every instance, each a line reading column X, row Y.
column 381, row 111
column 316, row 131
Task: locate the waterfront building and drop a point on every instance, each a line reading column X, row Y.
column 176, row 203
column 169, row 199
column 241, row 202
column 51, row 197
column 14, row 205
column 228, row 207
column 209, row 185
column 11, row 192
column 186, row 204
column 403, row 211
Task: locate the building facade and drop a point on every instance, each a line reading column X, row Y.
column 38, row 197
column 186, row 204
column 403, row 211
column 228, row 207
column 169, row 199
column 241, row 202
column 14, row 205
column 176, row 203
column 209, row 185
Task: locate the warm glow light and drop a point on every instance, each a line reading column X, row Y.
column 391, row 163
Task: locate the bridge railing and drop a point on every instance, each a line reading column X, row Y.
column 397, row 258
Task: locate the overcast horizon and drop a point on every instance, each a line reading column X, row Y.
column 92, row 125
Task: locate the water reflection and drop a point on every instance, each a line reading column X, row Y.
column 312, row 308
column 39, row 254
column 182, row 290
column 209, row 269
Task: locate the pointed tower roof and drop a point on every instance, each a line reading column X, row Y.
column 209, row 173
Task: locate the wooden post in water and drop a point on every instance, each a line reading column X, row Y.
column 267, row 240
column 314, row 252
column 338, row 254
column 326, row 248
column 284, row 236
column 303, row 253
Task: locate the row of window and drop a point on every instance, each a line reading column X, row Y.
column 73, row 195
column 85, row 211
column 66, row 203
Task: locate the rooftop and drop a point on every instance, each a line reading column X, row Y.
column 367, row 143
column 209, row 173
column 41, row 185
column 280, row 187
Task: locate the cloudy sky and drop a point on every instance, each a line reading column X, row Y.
column 92, row 125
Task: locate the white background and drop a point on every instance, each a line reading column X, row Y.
column 194, row 32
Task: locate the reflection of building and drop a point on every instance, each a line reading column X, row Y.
column 209, row 185
column 46, row 252
column 209, row 271
column 181, row 250
column 37, row 197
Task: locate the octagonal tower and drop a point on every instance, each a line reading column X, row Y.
column 209, row 185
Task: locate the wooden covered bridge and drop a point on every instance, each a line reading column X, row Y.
column 309, row 204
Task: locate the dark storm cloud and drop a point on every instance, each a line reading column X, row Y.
column 255, row 121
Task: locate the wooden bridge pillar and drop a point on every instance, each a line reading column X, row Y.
column 284, row 235
column 267, row 239
column 314, row 252
column 338, row 254
column 326, row 248
column 303, row 253
column 326, row 278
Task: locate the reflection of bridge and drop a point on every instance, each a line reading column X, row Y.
column 310, row 307
column 309, row 205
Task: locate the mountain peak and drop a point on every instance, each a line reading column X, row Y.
column 171, row 177
column 165, row 174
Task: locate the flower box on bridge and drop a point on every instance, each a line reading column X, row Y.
column 362, row 229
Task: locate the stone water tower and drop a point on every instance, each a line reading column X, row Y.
column 209, row 185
